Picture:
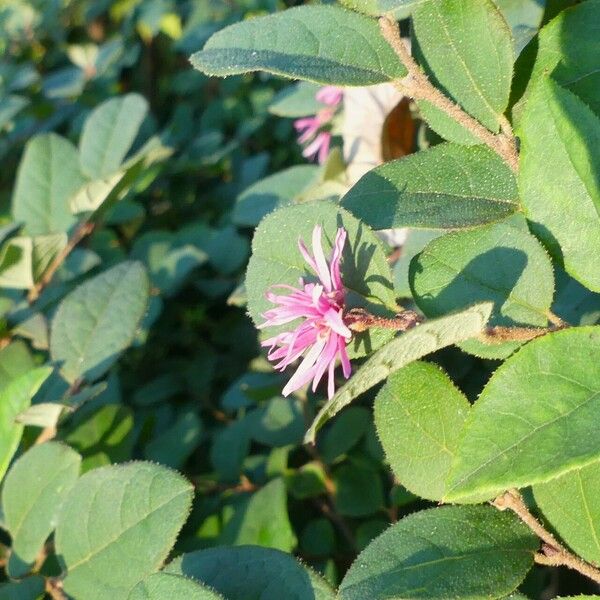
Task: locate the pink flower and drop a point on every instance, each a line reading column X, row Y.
column 330, row 95
column 319, row 147
column 308, row 126
column 321, row 337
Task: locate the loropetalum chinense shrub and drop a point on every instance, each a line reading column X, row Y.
column 175, row 416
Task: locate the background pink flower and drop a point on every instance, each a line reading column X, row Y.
column 321, row 336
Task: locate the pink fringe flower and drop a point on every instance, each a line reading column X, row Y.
column 330, row 95
column 310, row 128
column 322, row 336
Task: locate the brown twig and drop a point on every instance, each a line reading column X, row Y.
column 553, row 553
column 54, row 588
column 82, row 231
column 360, row 320
column 417, row 86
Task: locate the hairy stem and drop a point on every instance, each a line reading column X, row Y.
column 553, row 553
column 360, row 320
column 417, row 86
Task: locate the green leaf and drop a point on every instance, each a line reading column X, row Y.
column 509, row 442
column 133, row 510
column 273, row 192
column 96, row 322
column 30, row 588
column 248, row 572
column 15, row 360
column 25, row 259
column 467, row 46
column 276, row 258
column 279, row 422
column 567, row 51
column 358, row 490
column 296, row 100
column 229, row 449
column 103, row 437
column 317, row 43
column 34, row 490
column 416, row 240
column 524, row 18
column 345, row 432
column 47, row 177
column 108, row 134
column 450, row 552
column 420, row 414
column 501, row 263
column 448, row 186
column 14, row 399
column 407, row 347
column 560, row 174
column 263, row 520
column 176, row 444
column 175, row 587
column 571, row 503
column 398, row 9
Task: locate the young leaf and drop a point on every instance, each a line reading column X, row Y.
column 98, row 320
column 316, row 43
column 466, row 45
column 108, row 134
column 407, row 347
column 244, row 572
column 560, row 174
column 34, row 490
column 501, row 263
column 262, row 519
column 571, row 503
column 512, row 443
column 160, row 586
column 450, row 552
column 446, row 187
column 419, row 415
column 133, row 510
column 14, row 399
column 47, row 177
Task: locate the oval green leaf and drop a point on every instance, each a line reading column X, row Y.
column 420, row 414
column 446, row 187
column 243, row 572
column 450, row 552
column 325, row 44
column 34, row 490
column 134, row 510
column 98, row 320
column 560, row 175
column 47, row 177
column 571, row 503
column 467, row 46
column 535, row 419
column 501, row 263
column 160, row 586
column 109, row 133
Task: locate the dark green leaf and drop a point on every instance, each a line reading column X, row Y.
column 446, row 187
column 450, row 552
column 317, row 43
